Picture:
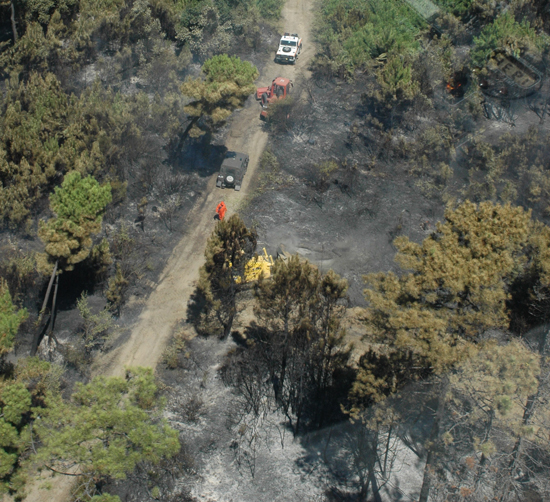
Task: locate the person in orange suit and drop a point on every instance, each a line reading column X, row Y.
column 220, row 210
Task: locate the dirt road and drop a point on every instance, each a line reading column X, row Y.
column 167, row 304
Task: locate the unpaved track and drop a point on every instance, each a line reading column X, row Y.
column 167, row 304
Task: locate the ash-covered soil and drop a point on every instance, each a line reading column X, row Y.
column 206, row 413
column 348, row 222
column 228, row 467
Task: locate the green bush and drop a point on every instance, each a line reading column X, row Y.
column 356, row 31
column 10, row 319
column 270, row 9
column 506, row 32
column 457, row 7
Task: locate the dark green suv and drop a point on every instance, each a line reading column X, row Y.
column 232, row 171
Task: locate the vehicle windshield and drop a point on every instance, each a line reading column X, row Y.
column 288, row 42
column 230, row 155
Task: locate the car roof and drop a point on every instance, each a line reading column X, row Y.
column 289, row 37
column 236, row 161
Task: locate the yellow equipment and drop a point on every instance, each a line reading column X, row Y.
column 255, row 267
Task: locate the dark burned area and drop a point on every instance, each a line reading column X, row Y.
column 343, row 186
column 345, row 221
column 348, row 220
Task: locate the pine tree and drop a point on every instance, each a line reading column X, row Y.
column 29, row 384
column 457, row 284
column 299, row 311
column 229, row 248
column 15, row 402
column 10, row 319
column 228, row 82
column 78, row 205
column 109, row 426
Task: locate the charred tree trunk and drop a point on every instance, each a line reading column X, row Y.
column 54, row 309
column 434, row 436
column 368, row 450
column 374, row 485
column 185, row 133
column 40, row 332
column 13, row 25
column 529, row 411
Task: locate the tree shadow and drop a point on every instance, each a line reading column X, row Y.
column 196, row 309
column 199, row 156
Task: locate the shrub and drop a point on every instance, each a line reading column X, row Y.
column 356, row 31
column 173, row 351
column 270, row 9
column 505, row 31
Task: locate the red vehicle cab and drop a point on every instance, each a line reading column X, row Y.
column 280, row 88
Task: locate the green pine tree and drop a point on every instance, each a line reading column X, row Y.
column 10, row 319
column 78, row 205
column 109, row 426
column 228, row 82
column 30, row 383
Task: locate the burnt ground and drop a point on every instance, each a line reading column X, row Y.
column 152, row 246
column 349, row 221
column 346, row 222
column 221, row 462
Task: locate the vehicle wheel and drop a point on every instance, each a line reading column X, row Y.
column 264, row 99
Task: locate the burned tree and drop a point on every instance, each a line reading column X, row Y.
column 228, row 250
column 297, row 346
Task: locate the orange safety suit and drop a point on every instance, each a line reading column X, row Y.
column 220, row 210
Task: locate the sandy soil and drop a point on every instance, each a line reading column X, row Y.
column 167, row 304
